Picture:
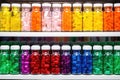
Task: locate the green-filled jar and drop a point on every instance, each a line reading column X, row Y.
column 108, row 59
column 97, row 59
column 4, row 59
column 14, row 59
column 117, row 59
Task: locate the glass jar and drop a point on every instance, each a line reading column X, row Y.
column 36, row 17
column 87, row 17
column 26, row 17
column 66, row 17
column 56, row 17
column 108, row 17
column 98, row 17
column 77, row 17
column 15, row 17
column 46, row 17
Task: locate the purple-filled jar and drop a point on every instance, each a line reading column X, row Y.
column 25, row 59
column 66, row 60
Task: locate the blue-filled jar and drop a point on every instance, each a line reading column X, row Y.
column 76, row 59
column 87, row 60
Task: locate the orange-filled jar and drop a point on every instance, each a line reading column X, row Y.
column 108, row 17
column 66, row 17
column 36, row 17
column 117, row 17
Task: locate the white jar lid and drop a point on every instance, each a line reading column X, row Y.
column 66, row 4
column 15, row 4
column 46, row 4
column 107, row 47
column 25, row 47
column 5, row 4
column 76, row 47
column 87, row 4
column 98, row 5
column 97, row 47
column 77, row 5
column 55, row 47
column 5, row 47
column 26, row 5
column 56, row 5
column 117, row 4
column 36, row 4
column 66, row 47
column 35, row 47
column 108, row 4
column 15, row 47
column 45, row 47
column 87, row 47
column 116, row 47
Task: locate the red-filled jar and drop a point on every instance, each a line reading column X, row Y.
column 117, row 17
column 55, row 59
column 45, row 59
column 35, row 59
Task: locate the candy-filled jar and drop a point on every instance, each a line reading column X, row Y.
column 108, row 17
column 46, row 17
column 66, row 17
column 87, row 60
column 15, row 17
column 55, row 59
column 97, row 59
column 25, row 59
column 98, row 17
column 5, row 17
column 26, row 17
column 56, row 17
column 65, row 60
column 36, row 18
column 117, row 17
column 76, row 59
column 35, row 59
column 4, row 59
column 108, row 59
column 15, row 59
column 116, row 59
column 45, row 59
column 87, row 17
column 77, row 17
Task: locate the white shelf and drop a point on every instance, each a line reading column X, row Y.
column 59, row 77
column 59, row 34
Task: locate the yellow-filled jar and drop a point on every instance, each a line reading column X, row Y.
column 87, row 17
column 5, row 17
column 15, row 17
column 77, row 17
column 98, row 17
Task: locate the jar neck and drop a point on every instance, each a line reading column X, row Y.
column 117, row 9
column 46, row 8
column 108, row 9
column 26, row 9
column 56, row 8
column 15, row 9
column 77, row 8
column 87, row 9
column 98, row 9
column 66, row 9
column 35, row 8
column 5, row 8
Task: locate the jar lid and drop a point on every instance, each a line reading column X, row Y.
column 5, row 4
column 98, row 5
column 66, row 4
column 45, row 47
column 5, row 47
column 16, row 4
column 15, row 47
column 26, row 5
column 116, row 47
column 36, row 4
column 55, row 47
column 76, row 47
column 56, row 5
column 107, row 47
column 108, row 4
column 97, row 47
column 66, row 47
column 77, row 5
column 87, row 47
column 46, row 4
column 87, row 4
column 35, row 47
column 117, row 4
column 25, row 47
